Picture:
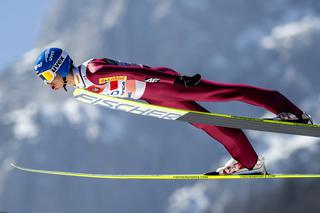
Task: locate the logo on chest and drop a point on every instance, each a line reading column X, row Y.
column 112, row 79
column 113, row 85
column 117, row 88
column 96, row 88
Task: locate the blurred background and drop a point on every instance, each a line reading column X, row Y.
column 272, row 44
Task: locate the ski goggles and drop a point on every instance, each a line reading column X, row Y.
column 49, row 75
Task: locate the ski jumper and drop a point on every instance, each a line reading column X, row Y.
column 157, row 85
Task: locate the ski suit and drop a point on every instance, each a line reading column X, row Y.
column 157, row 85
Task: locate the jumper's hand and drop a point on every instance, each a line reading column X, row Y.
column 188, row 81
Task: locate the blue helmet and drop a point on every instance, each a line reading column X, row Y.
column 51, row 61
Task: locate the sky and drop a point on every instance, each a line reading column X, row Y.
column 20, row 23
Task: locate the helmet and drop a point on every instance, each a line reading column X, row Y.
column 52, row 61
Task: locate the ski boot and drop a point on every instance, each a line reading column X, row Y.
column 233, row 167
column 290, row 117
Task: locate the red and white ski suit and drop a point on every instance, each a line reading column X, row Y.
column 156, row 85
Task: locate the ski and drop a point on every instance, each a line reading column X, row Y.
column 167, row 176
column 231, row 121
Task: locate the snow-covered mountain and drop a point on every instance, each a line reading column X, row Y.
column 272, row 44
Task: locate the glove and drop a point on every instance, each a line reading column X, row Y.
column 188, row 81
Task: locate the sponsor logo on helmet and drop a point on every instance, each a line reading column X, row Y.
column 113, row 78
column 46, row 55
column 57, row 65
column 38, row 65
column 51, row 56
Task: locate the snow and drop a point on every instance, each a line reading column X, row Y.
column 71, row 110
column 191, row 199
column 24, row 125
column 93, row 132
column 293, row 76
column 161, row 9
column 93, row 129
column 115, row 10
column 75, row 113
column 285, row 35
column 27, row 60
column 184, row 38
column 282, row 147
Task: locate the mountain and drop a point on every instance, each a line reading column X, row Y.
column 272, row 44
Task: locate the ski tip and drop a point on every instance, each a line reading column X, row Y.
column 14, row 165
